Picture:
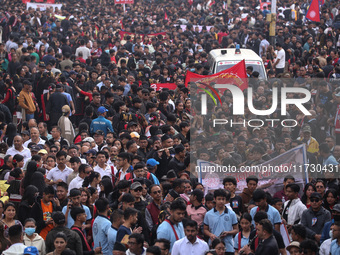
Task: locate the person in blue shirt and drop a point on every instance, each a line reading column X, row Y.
column 117, row 219
column 335, row 247
column 101, row 226
column 130, row 219
column 221, row 222
column 172, row 229
column 242, row 238
column 101, row 123
column 327, row 157
column 260, row 199
column 74, row 201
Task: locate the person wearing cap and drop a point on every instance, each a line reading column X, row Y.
column 54, row 106
column 26, row 101
column 151, row 165
column 306, row 137
column 66, row 126
column 327, row 227
column 315, row 217
column 73, row 240
column 136, row 189
column 294, row 248
column 101, row 123
column 32, row 250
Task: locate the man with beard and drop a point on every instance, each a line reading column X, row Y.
column 190, row 243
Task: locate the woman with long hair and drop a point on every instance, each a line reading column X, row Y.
column 242, row 238
column 9, row 218
column 93, row 180
column 118, row 143
column 60, row 243
column 10, row 98
column 4, row 243
column 11, row 132
column 27, row 201
column 38, row 181
column 106, row 187
column 31, row 168
column 307, row 192
column 330, row 199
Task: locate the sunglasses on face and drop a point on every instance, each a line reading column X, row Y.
column 157, row 192
column 138, row 190
column 315, row 200
column 54, row 151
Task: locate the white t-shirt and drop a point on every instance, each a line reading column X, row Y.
column 281, row 54
column 26, row 153
column 103, row 172
column 41, row 141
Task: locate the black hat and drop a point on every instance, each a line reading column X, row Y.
column 119, row 247
column 316, row 195
column 100, row 132
column 58, row 217
column 179, row 148
column 132, row 123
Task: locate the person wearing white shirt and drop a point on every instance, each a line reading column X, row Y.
column 86, row 51
column 102, row 167
column 19, row 148
column 35, row 137
column 16, row 238
column 84, row 171
column 190, row 244
column 60, row 172
column 280, row 59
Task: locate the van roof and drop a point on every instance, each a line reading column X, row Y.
column 246, row 54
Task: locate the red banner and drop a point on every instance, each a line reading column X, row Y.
column 160, row 86
column 124, row 1
column 236, row 74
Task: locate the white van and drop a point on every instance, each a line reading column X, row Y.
column 222, row 59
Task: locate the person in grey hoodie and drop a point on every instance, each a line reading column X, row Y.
column 315, row 217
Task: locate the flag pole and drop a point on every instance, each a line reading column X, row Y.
column 124, row 7
column 272, row 19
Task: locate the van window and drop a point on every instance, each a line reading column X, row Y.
column 257, row 66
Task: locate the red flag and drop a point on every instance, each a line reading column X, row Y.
column 237, row 74
column 190, row 2
column 165, row 16
column 50, row 1
column 26, row 1
column 313, row 13
column 160, row 86
column 212, row 2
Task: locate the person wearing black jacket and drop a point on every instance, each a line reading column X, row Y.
column 55, row 103
column 268, row 245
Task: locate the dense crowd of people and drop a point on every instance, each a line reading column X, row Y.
column 95, row 159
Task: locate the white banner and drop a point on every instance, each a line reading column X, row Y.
column 43, row 6
column 270, row 173
column 184, row 27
